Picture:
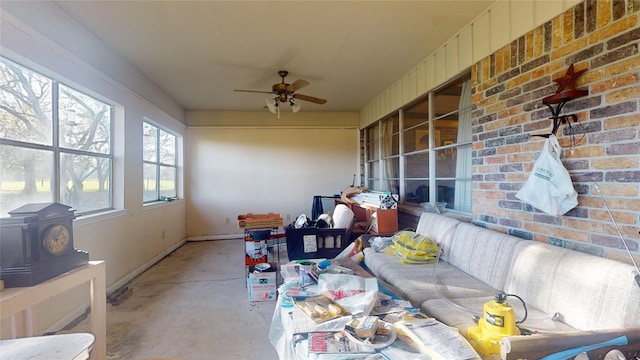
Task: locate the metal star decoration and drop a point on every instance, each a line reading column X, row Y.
column 569, row 79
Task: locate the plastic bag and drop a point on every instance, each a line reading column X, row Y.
column 355, row 293
column 413, row 248
column 549, row 187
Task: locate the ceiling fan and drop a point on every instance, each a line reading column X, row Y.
column 286, row 93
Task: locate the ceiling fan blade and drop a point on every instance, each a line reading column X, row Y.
column 296, row 85
column 256, row 91
column 309, row 98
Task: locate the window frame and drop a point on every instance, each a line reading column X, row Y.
column 158, row 164
column 430, row 152
column 55, row 147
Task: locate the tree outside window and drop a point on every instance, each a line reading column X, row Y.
column 55, row 143
column 159, row 164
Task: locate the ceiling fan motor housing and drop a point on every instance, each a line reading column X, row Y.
column 286, row 92
column 280, row 88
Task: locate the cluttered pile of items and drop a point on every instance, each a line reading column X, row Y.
column 332, row 308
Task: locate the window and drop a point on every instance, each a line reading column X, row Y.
column 55, row 143
column 423, row 152
column 159, row 164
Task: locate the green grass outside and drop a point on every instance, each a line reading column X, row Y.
column 8, row 187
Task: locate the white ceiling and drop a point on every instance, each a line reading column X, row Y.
column 200, row 51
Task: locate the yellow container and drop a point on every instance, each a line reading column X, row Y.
column 498, row 322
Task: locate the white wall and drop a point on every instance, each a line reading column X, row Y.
column 127, row 238
column 233, row 170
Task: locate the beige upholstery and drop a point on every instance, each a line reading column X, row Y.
column 564, row 290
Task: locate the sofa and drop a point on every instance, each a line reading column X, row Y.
column 564, row 290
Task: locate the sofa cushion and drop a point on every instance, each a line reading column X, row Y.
column 482, row 253
column 414, row 282
column 438, row 228
column 588, row 292
column 454, row 315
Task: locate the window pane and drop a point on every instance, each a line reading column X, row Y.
column 84, row 182
column 26, row 97
column 167, row 148
column 417, row 166
column 391, row 176
column 372, row 151
column 25, row 177
column 150, row 142
column 374, row 184
column 417, row 191
column 446, row 163
column 390, row 137
column 149, row 173
column 446, row 192
column 374, row 169
column 85, row 123
column 446, row 130
column 167, row 181
column 447, row 100
column 416, row 138
column 462, row 198
column 416, row 114
column 373, row 142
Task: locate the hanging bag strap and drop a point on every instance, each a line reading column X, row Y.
column 552, row 146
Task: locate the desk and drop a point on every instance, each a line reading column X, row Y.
column 19, row 301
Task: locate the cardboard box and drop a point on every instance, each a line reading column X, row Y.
column 262, row 285
column 259, row 221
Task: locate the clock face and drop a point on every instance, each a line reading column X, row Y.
column 57, row 239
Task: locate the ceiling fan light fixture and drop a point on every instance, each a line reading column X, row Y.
column 272, row 104
column 294, row 107
column 285, row 92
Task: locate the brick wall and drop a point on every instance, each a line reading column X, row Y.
column 600, row 36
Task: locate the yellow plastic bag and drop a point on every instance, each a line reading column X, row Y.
column 413, row 248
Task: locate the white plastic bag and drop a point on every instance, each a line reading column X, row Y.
column 549, row 187
column 355, row 293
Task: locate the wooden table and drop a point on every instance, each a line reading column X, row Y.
column 52, row 347
column 17, row 303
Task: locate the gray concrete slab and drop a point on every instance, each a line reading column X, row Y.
column 192, row 304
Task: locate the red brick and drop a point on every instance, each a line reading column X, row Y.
column 621, row 217
column 609, row 84
column 568, row 26
column 568, row 49
column 623, row 66
column 616, row 163
column 588, row 152
column 488, row 185
column 571, row 234
column 623, row 94
column 557, row 32
column 622, row 122
column 604, row 12
column 495, row 160
column 613, row 29
column 529, row 46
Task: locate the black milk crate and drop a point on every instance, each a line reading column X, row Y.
column 315, row 243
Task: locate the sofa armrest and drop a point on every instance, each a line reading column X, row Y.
column 568, row 345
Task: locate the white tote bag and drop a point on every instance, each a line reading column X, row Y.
column 549, row 187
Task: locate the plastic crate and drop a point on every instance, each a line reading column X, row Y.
column 315, row 243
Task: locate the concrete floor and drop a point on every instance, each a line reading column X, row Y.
column 193, row 305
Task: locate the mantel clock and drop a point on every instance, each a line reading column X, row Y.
column 36, row 244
